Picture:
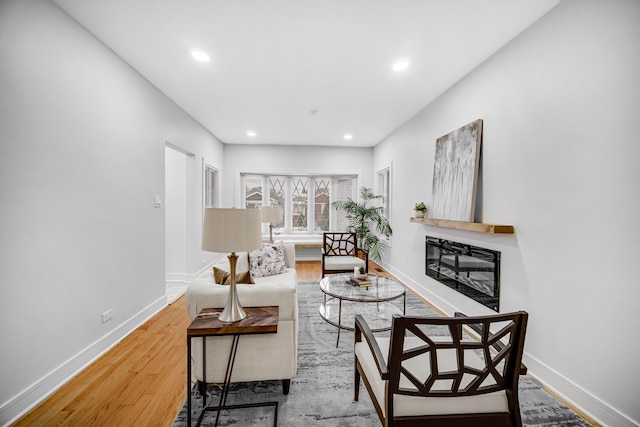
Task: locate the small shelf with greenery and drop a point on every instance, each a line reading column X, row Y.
column 469, row 226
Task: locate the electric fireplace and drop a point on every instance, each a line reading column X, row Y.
column 470, row 270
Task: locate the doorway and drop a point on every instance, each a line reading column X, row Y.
column 178, row 177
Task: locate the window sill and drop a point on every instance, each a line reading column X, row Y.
column 301, row 241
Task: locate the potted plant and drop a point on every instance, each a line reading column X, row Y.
column 420, row 209
column 362, row 218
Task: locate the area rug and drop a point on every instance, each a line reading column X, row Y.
column 322, row 391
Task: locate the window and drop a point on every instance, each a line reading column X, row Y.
column 384, row 189
column 305, row 199
column 299, row 203
column 210, row 187
column 344, row 190
column 322, row 204
column 277, row 196
column 253, row 192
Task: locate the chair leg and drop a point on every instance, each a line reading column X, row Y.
column 286, row 386
column 356, row 385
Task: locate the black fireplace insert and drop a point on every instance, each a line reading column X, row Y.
column 470, row 270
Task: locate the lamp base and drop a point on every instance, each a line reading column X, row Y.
column 233, row 311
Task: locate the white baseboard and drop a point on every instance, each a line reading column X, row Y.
column 307, row 258
column 187, row 278
column 177, row 278
column 574, row 395
column 47, row 385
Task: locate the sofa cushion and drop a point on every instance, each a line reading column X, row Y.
column 342, row 262
column 267, row 261
column 222, row 277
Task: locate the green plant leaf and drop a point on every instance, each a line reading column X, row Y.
column 362, row 218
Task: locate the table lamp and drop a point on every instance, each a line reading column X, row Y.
column 271, row 214
column 231, row 230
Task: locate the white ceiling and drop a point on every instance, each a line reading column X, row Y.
column 274, row 61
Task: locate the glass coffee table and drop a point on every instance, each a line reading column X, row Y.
column 343, row 300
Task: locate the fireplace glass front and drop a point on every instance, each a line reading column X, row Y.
column 470, row 270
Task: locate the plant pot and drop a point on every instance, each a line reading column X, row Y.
column 419, row 214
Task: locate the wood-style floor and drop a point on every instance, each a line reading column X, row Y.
column 139, row 382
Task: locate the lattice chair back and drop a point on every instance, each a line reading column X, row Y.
column 433, row 361
column 459, row 356
column 339, row 244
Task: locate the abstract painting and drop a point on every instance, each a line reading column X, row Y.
column 455, row 172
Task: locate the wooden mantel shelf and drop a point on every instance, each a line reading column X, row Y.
column 469, row 226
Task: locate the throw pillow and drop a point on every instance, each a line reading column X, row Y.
column 222, row 277
column 219, row 275
column 267, row 261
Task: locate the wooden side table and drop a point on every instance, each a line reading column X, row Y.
column 259, row 320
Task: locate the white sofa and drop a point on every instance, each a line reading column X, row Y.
column 259, row 357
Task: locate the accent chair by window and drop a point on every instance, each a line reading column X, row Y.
column 340, row 253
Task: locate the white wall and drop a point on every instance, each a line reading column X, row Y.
column 561, row 105
column 291, row 160
column 82, row 156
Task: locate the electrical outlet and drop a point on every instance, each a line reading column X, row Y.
column 107, row 315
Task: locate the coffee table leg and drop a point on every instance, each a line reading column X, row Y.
column 339, row 320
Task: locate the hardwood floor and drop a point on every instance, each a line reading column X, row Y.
column 141, row 381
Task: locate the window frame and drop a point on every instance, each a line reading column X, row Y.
column 287, row 229
column 210, row 188
column 384, row 181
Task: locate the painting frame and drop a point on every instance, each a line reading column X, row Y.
column 455, row 173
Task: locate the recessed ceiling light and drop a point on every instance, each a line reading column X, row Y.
column 199, row 55
column 401, row 64
column 251, row 133
column 348, row 136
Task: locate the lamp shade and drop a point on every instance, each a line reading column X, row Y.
column 271, row 213
column 231, row 230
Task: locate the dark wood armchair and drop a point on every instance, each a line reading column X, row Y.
column 340, row 253
column 439, row 371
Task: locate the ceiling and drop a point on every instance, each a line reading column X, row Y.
column 304, row 72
